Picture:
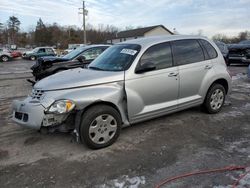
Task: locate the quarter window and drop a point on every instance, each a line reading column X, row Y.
column 49, row 50
column 187, row 51
column 160, row 55
column 209, row 48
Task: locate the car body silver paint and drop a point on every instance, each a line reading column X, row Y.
column 145, row 95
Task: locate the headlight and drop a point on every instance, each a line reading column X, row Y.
column 61, row 106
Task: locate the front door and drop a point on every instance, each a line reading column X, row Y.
column 153, row 93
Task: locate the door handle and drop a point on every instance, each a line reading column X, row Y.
column 172, row 74
column 208, row 66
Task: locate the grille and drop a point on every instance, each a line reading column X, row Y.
column 37, row 94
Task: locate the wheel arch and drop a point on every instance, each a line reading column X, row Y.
column 79, row 113
column 222, row 82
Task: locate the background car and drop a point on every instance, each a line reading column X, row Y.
column 39, row 52
column 248, row 72
column 224, row 50
column 239, row 53
column 79, row 57
column 5, row 55
column 16, row 54
column 245, row 42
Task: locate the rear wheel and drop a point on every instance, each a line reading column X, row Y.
column 4, row 58
column 100, row 126
column 215, row 99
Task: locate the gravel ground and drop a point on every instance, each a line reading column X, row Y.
column 143, row 156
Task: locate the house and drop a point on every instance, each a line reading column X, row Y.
column 139, row 33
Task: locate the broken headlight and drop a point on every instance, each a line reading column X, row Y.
column 61, row 106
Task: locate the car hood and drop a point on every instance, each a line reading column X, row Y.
column 53, row 59
column 238, row 46
column 28, row 52
column 78, row 77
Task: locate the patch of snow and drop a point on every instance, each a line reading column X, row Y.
column 125, row 182
column 247, row 106
column 239, row 76
column 244, row 182
column 230, row 114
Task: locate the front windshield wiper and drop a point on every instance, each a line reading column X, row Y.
column 96, row 68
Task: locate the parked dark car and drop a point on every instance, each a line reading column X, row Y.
column 79, row 57
column 248, row 71
column 224, row 50
column 239, row 53
column 39, row 52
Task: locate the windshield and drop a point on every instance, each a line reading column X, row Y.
column 74, row 53
column 116, row 58
column 35, row 50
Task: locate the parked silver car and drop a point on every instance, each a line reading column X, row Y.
column 130, row 82
column 5, row 55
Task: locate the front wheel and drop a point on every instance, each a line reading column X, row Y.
column 5, row 58
column 100, row 126
column 33, row 58
column 215, row 99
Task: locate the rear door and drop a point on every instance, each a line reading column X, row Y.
column 153, row 93
column 194, row 65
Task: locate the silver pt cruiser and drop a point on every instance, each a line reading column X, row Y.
column 130, row 82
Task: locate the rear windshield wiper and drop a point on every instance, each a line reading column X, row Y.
column 96, row 68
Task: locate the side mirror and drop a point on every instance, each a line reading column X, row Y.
column 81, row 58
column 148, row 66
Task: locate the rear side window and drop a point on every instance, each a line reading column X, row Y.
column 41, row 50
column 187, row 51
column 92, row 53
column 209, row 49
column 49, row 50
column 160, row 55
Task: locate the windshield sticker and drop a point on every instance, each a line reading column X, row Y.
column 128, row 51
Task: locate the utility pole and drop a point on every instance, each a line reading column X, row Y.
column 84, row 13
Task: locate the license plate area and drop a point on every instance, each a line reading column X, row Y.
column 22, row 116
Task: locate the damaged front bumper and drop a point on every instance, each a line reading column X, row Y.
column 29, row 113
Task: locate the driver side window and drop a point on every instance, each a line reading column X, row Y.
column 160, row 55
column 41, row 50
column 92, row 53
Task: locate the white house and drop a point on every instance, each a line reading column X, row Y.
column 156, row 30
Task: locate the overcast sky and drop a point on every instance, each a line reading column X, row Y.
column 187, row 16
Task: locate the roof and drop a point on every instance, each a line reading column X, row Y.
column 139, row 31
column 148, row 41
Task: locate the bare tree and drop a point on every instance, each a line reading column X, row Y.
column 13, row 28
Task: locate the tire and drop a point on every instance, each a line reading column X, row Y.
column 32, row 58
column 215, row 98
column 94, row 133
column 5, row 58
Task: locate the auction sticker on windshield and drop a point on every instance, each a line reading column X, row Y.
column 128, row 51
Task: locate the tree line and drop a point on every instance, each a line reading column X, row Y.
column 60, row 36
column 231, row 40
column 52, row 34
